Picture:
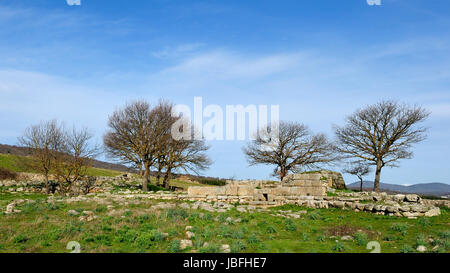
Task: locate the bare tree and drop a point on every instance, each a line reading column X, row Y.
column 187, row 155
column 75, row 158
column 293, row 148
column 360, row 170
column 130, row 137
column 44, row 141
column 382, row 134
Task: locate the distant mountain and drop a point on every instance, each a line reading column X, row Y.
column 432, row 189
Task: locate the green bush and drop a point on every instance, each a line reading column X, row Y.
column 421, row 240
column 237, row 247
column 212, row 181
column 361, row 238
column 339, row 247
column 253, row 239
column 175, row 247
column 407, row 249
column 401, row 228
column 177, row 214
column 20, row 238
column 289, row 225
column 271, row 229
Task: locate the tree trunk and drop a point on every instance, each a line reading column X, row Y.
column 47, row 188
column 166, row 178
column 376, row 184
column 146, row 177
column 361, row 186
column 282, row 174
column 158, row 176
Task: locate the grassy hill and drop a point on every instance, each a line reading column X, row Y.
column 18, row 164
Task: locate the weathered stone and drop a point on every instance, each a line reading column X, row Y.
column 190, row 234
column 368, row 207
column 225, row 248
column 412, row 198
column 347, row 238
column 433, row 212
column 185, row 244
column 421, row 248
column 73, row 212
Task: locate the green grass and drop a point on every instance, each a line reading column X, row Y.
column 43, row 227
column 22, row 164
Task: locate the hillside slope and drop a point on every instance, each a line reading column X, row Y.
column 432, row 189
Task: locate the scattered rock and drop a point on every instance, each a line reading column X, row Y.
column 412, row 198
column 421, row 248
column 185, row 244
column 225, row 248
column 73, row 213
column 190, row 234
column 433, row 212
column 346, row 238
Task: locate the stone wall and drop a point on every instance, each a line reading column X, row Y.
column 330, row 179
column 264, row 191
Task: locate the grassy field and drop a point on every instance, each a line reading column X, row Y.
column 22, row 164
column 44, row 227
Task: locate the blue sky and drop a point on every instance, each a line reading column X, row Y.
column 319, row 60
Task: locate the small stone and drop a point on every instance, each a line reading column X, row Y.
column 185, row 244
column 188, row 228
column 225, row 248
column 421, row 248
column 73, row 212
column 412, row 198
column 346, row 238
column 190, row 234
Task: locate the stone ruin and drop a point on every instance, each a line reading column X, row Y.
column 313, row 190
column 293, row 187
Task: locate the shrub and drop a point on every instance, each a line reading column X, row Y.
column 305, row 236
column 20, row 238
column 424, row 222
column 177, row 214
column 321, row 238
column 237, row 247
column 175, row 246
column 271, row 229
column 339, row 247
column 253, row 239
column 212, row 181
column 402, row 228
column 290, row 225
column 100, row 209
column 6, row 174
column 314, row 216
column 421, row 240
column 144, row 240
column 407, row 249
column 361, row 238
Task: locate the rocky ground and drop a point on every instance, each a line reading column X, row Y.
column 132, row 221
